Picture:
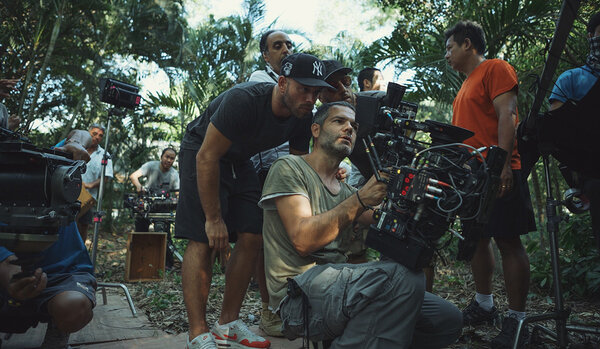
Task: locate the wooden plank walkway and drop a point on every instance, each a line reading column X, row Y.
column 113, row 326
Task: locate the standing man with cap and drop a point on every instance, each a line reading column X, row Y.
column 337, row 76
column 220, row 189
column 274, row 45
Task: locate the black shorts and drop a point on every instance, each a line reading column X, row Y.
column 32, row 311
column 512, row 214
column 239, row 192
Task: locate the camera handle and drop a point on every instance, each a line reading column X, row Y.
column 375, row 164
column 98, row 216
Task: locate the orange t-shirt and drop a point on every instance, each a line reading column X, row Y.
column 473, row 107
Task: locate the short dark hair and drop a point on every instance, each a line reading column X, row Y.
column 263, row 40
column 323, row 111
column 96, row 125
column 593, row 23
column 167, row 149
column 467, row 29
column 366, row 73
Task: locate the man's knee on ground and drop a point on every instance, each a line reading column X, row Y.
column 70, row 311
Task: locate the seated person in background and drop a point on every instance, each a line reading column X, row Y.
column 62, row 288
column 307, row 221
column 160, row 175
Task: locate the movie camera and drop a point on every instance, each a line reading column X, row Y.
column 430, row 182
column 39, row 190
column 151, row 201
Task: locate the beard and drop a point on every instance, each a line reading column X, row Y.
column 297, row 111
column 329, row 145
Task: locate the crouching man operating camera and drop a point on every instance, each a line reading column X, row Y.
column 56, row 285
column 308, row 222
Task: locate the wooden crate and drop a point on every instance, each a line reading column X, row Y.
column 146, row 252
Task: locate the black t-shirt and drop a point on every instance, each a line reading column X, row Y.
column 244, row 115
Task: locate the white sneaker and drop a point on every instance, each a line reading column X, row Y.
column 202, row 341
column 237, row 335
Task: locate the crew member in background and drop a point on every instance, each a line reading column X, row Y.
column 487, row 105
column 160, row 175
column 91, row 177
column 10, row 122
column 371, row 79
column 574, row 84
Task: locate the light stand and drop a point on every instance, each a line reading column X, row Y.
column 98, row 217
column 560, row 314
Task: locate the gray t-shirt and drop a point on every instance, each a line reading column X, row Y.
column 157, row 179
column 292, row 175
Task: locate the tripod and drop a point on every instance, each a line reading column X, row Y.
column 560, row 314
column 98, row 218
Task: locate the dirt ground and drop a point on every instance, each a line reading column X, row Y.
column 162, row 301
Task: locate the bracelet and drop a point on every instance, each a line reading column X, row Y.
column 365, row 207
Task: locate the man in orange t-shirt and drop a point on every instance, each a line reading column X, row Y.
column 487, row 105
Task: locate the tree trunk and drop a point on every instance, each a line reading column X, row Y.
column 31, row 66
column 55, row 31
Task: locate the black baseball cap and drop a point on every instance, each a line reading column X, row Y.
column 332, row 66
column 307, row 69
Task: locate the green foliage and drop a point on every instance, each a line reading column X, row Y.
column 578, row 257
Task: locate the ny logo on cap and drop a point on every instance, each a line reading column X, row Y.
column 287, row 69
column 317, row 68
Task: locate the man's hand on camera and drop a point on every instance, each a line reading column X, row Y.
column 218, row 236
column 77, row 150
column 341, row 174
column 28, row 287
column 373, row 192
column 6, row 86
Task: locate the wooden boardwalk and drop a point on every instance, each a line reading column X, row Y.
column 113, row 326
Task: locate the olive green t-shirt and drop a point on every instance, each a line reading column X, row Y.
column 292, row 175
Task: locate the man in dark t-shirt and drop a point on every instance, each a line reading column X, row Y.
column 220, row 189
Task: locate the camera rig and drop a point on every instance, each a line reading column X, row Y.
column 39, row 190
column 153, row 204
column 430, row 182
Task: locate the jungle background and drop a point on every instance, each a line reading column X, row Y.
column 60, row 48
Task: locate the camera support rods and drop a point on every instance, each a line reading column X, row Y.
column 98, row 216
